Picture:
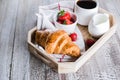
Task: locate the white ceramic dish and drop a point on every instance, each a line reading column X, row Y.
column 99, row 24
column 68, row 28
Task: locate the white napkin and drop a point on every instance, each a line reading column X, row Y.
column 46, row 13
column 45, row 20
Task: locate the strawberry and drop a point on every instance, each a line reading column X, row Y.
column 73, row 36
column 90, row 42
column 62, row 15
column 67, row 22
column 60, row 22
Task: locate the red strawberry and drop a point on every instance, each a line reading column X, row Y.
column 90, row 42
column 67, row 22
column 68, row 16
column 62, row 15
column 73, row 36
column 60, row 22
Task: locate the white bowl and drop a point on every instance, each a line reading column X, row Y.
column 68, row 28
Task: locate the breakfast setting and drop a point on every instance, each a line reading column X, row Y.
column 68, row 33
column 59, row 40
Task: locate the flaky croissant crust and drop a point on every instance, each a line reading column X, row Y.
column 57, row 42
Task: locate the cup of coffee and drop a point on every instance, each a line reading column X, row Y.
column 85, row 10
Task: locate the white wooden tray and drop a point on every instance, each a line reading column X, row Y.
column 68, row 67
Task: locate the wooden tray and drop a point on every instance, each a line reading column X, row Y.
column 68, row 67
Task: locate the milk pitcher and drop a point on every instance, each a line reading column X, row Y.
column 99, row 24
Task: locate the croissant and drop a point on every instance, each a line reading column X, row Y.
column 57, row 42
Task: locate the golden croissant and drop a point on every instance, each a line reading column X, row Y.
column 57, row 42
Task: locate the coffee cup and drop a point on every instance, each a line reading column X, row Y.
column 85, row 9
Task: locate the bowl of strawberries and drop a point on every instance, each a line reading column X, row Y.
column 65, row 20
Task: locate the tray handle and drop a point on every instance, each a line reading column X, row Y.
column 46, row 60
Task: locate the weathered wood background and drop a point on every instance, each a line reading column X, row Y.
column 16, row 63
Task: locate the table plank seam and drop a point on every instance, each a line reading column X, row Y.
column 13, row 46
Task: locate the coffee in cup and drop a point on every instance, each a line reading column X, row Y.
column 87, row 4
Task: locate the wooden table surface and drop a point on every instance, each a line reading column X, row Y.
column 17, row 17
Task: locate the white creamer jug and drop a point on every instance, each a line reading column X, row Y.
column 99, row 24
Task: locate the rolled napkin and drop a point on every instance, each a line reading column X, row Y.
column 43, row 22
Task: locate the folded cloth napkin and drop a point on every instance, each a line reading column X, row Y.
column 45, row 20
column 47, row 12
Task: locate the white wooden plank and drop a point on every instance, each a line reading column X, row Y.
column 21, row 58
column 37, row 69
column 8, row 11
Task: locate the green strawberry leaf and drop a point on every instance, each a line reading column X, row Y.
column 61, row 13
column 64, row 22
